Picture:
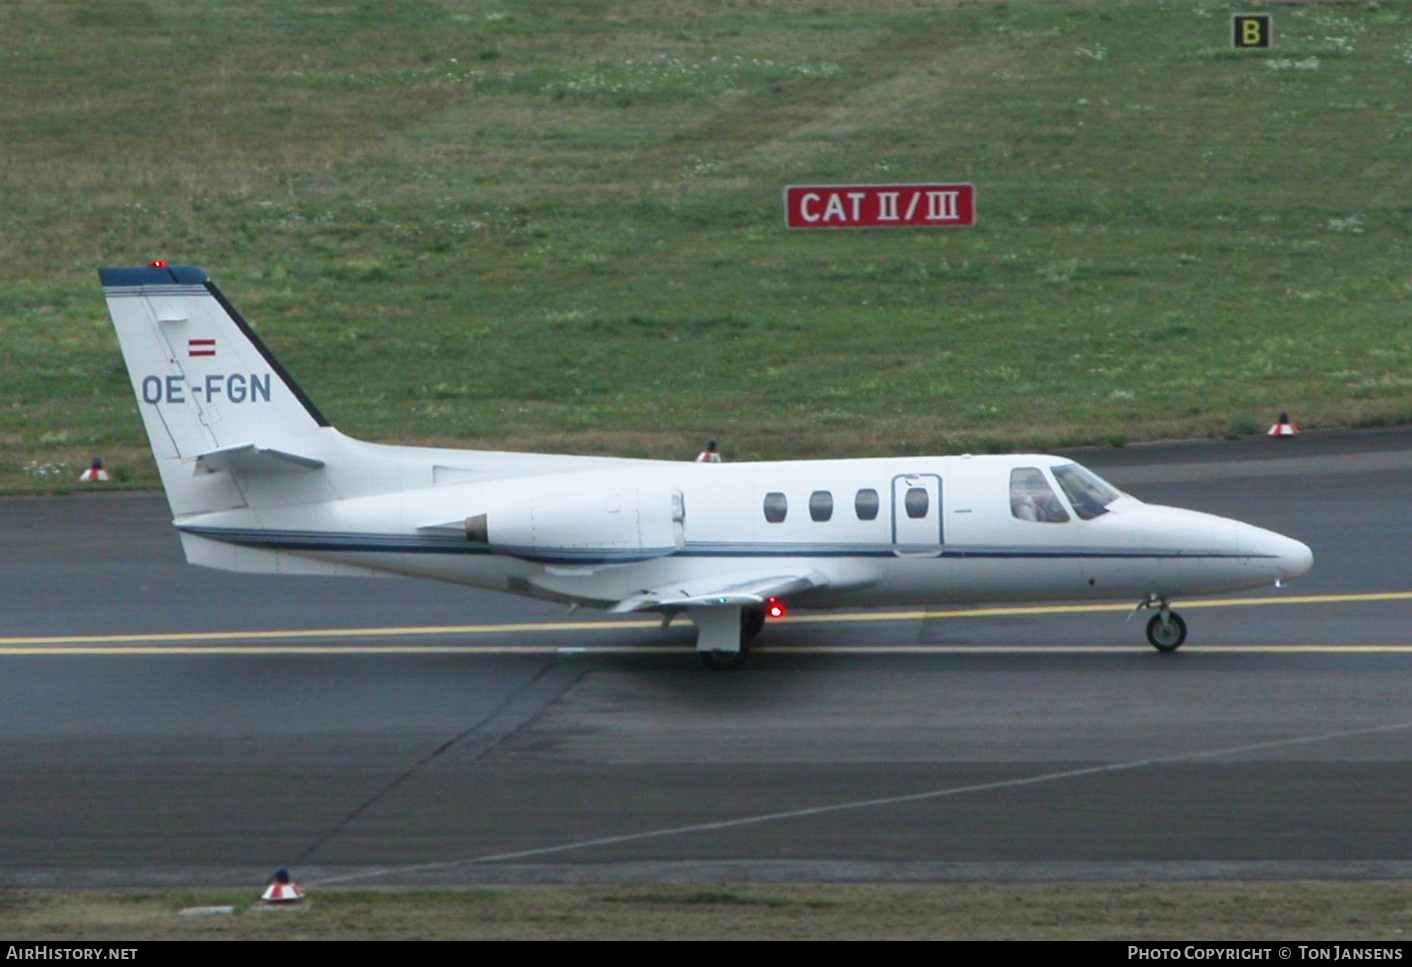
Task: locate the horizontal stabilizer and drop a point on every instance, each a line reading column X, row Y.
column 247, row 458
column 722, row 591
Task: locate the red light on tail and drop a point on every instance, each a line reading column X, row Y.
column 158, row 263
column 775, row 608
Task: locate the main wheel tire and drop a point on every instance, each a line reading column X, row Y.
column 1169, row 636
column 726, row 661
column 752, row 620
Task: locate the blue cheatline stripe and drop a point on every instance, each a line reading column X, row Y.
column 335, row 541
column 726, row 549
column 411, row 544
column 431, row 544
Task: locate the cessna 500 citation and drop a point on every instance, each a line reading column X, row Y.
column 259, row 481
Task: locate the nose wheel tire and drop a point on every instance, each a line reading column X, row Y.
column 1166, row 635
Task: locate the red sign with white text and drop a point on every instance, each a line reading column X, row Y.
column 879, row 206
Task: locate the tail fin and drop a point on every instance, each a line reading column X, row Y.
column 212, row 396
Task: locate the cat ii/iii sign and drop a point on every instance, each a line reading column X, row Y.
column 879, row 206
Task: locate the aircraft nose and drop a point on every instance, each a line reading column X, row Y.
column 1291, row 558
column 1295, row 559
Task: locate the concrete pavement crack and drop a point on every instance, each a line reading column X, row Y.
column 483, row 726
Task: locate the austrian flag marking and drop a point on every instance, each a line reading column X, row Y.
column 201, row 347
column 879, row 206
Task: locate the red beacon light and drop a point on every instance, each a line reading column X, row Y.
column 158, row 263
column 775, row 608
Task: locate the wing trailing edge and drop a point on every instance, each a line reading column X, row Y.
column 722, row 592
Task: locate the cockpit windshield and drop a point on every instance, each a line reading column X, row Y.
column 1089, row 493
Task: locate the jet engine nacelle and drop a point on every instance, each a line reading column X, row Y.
column 632, row 522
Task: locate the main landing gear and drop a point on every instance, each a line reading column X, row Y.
column 752, row 621
column 721, row 628
column 726, row 661
column 1166, row 630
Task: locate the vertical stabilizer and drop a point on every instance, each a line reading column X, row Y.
column 204, row 383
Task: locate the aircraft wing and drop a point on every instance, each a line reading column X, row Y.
column 723, row 590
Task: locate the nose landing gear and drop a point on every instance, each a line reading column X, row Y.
column 1166, row 636
column 1166, row 630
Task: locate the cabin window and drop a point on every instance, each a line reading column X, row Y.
column 865, row 505
column 776, row 506
column 821, row 505
column 1089, row 494
column 1031, row 497
column 917, row 502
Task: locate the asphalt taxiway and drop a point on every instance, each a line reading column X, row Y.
column 164, row 724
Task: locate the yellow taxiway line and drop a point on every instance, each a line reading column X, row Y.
column 1093, row 608
column 303, row 634
column 210, row 642
column 431, row 650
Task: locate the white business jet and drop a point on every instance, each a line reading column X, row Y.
column 258, row 481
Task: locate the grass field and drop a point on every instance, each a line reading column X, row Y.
column 558, row 223
column 1171, row 911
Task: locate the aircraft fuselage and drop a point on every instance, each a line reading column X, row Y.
column 597, row 536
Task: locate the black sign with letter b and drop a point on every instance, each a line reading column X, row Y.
column 1251, row 29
